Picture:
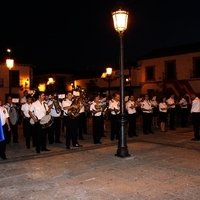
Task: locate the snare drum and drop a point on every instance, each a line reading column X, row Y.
column 46, row 121
column 13, row 114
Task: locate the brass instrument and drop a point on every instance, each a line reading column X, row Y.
column 74, row 112
column 56, row 105
column 100, row 107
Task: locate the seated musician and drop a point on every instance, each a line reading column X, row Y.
column 37, row 111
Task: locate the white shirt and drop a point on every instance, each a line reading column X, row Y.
column 54, row 112
column 66, row 103
column 171, row 101
column 92, row 108
column 128, row 105
column 8, row 106
column 25, row 109
column 4, row 115
column 39, row 109
column 195, row 105
column 146, row 105
column 183, row 103
column 162, row 105
column 114, row 105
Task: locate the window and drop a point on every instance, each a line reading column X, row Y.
column 196, row 73
column 170, row 70
column 150, row 73
column 1, row 82
column 15, row 78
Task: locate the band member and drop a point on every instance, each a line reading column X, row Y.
column 97, row 119
column 163, row 114
column 23, row 99
column 4, row 128
column 130, row 107
column 184, row 110
column 37, row 111
column 82, row 121
column 27, row 127
column 55, row 128
column 154, row 104
column 147, row 115
column 114, row 108
column 172, row 111
column 195, row 115
column 14, row 127
column 70, row 123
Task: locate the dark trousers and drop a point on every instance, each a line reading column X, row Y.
column 147, row 121
column 54, row 130
column 3, row 144
column 97, row 128
column 115, row 126
column 184, row 117
column 82, row 125
column 7, row 134
column 14, row 131
column 196, row 124
column 71, row 131
column 28, row 132
column 40, row 136
column 172, row 113
column 132, row 124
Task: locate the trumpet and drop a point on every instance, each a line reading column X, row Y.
column 117, row 111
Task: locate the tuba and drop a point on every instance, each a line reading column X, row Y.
column 74, row 112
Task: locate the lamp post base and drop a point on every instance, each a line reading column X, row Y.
column 122, row 152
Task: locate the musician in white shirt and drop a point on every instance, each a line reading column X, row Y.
column 172, row 111
column 147, row 115
column 195, row 115
column 14, row 127
column 131, row 109
column 27, row 127
column 70, row 123
column 184, row 111
column 55, row 129
column 37, row 111
column 97, row 119
column 163, row 114
column 114, row 108
column 5, row 128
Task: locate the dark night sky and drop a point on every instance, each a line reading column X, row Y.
column 80, row 34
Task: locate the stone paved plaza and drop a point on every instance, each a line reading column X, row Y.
column 161, row 166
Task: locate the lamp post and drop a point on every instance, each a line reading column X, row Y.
column 120, row 19
column 10, row 64
column 109, row 72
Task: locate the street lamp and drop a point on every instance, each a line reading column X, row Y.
column 120, row 19
column 10, row 64
column 109, row 72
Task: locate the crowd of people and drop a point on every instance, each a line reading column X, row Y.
column 44, row 117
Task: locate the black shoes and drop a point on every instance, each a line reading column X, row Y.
column 3, row 158
column 67, row 147
column 81, row 138
column 45, row 149
column 195, row 139
column 59, row 142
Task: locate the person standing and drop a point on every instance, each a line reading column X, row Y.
column 27, row 127
column 55, row 128
column 163, row 114
column 195, row 115
column 11, row 108
column 70, row 123
column 131, row 109
column 97, row 119
column 4, row 128
column 154, row 104
column 184, row 111
column 114, row 108
column 37, row 111
column 172, row 111
column 147, row 115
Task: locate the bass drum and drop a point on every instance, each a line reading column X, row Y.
column 13, row 114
